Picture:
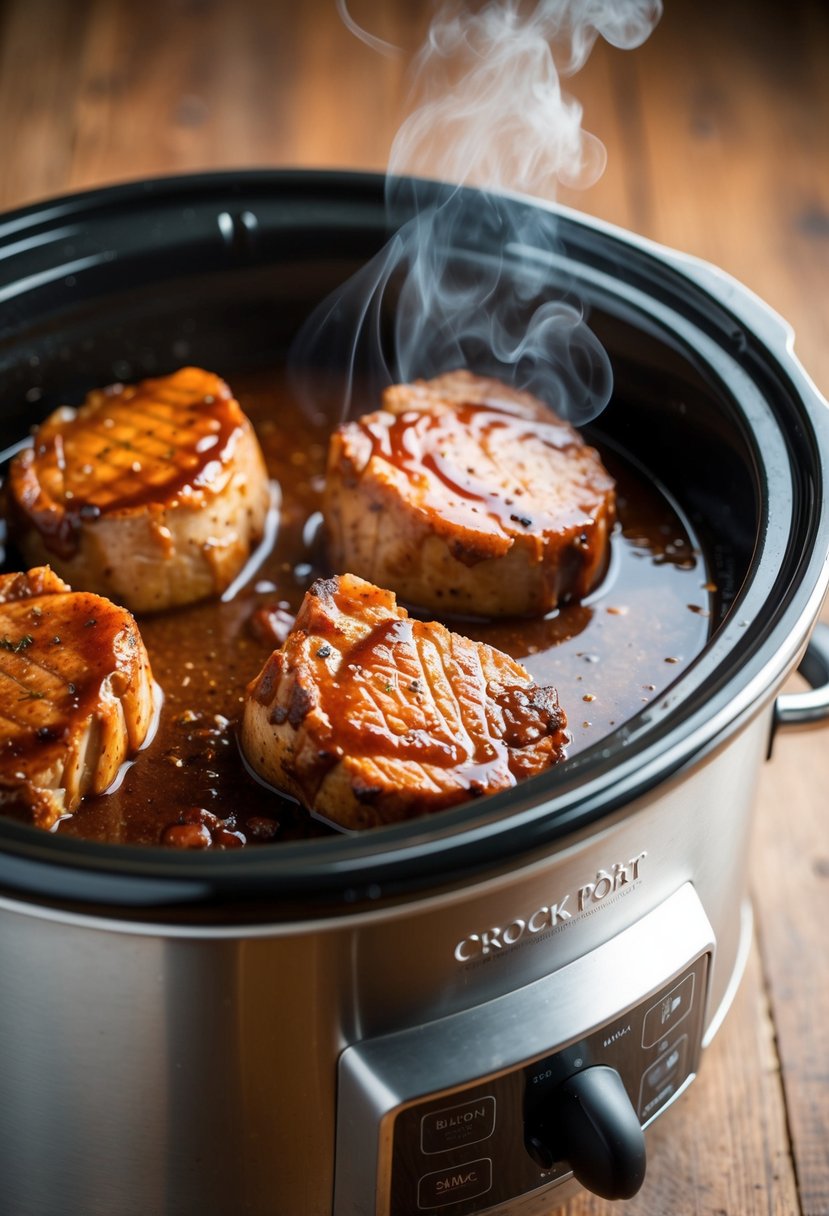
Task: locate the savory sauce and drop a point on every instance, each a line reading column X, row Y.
column 608, row 656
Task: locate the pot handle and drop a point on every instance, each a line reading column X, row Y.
column 808, row 708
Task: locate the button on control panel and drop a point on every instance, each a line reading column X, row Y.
column 454, row 1185
column 662, row 1079
column 470, row 1151
column 668, row 1012
column 467, row 1123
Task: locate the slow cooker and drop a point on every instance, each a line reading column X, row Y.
column 470, row 1012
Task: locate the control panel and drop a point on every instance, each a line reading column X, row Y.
column 492, row 1142
column 477, row 1109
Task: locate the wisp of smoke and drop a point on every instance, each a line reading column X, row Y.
column 488, row 120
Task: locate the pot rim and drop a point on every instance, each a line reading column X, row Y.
column 733, row 678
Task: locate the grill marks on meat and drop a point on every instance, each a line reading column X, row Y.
column 153, row 494
column 76, row 695
column 368, row 716
column 463, row 495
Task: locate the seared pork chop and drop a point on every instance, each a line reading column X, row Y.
column 153, row 494
column 465, row 496
column 368, row 716
column 76, row 695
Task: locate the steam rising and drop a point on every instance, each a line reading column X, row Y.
column 469, row 278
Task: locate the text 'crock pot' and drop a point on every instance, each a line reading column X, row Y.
column 464, row 1012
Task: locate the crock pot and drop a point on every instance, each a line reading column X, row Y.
column 466, row 1012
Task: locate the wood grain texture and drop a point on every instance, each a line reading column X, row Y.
column 717, row 132
column 791, row 892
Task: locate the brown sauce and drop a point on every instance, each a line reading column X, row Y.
column 608, row 656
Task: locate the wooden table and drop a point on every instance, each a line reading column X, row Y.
column 718, row 144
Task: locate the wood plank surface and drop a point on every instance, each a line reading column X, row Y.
column 717, row 132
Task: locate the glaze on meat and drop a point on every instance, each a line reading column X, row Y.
column 369, row 716
column 608, row 657
column 76, row 695
column 153, row 494
column 464, row 496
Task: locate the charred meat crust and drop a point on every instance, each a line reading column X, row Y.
column 368, row 716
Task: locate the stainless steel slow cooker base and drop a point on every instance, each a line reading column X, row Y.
column 311, row 1029
column 202, row 1063
column 418, row 1098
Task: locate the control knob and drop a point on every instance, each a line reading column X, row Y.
column 589, row 1122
